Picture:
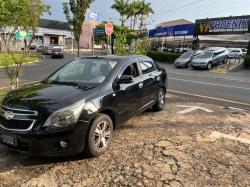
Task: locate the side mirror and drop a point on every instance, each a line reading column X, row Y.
column 125, row 79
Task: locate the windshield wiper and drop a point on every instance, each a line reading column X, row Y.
column 70, row 83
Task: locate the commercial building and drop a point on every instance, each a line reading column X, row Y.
column 173, row 34
column 52, row 32
column 219, row 32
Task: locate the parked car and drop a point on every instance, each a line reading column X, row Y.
column 31, row 47
column 79, row 106
column 45, row 50
column 185, row 59
column 236, row 53
column 244, row 52
column 56, row 53
column 210, row 57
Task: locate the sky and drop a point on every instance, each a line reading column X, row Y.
column 165, row 10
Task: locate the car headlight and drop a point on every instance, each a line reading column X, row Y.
column 65, row 116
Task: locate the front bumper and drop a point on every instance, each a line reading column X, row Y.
column 180, row 65
column 48, row 144
column 199, row 65
column 56, row 54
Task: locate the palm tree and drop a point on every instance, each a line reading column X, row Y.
column 121, row 6
column 135, row 9
column 145, row 10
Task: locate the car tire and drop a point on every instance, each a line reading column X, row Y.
column 225, row 60
column 161, row 100
column 209, row 66
column 100, row 135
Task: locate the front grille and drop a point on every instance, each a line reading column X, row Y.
column 17, row 119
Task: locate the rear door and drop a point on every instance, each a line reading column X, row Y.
column 150, row 81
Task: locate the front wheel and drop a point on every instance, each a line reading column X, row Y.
column 209, row 66
column 225, row 60
column 160, row 104
column 188, row 65
column 100, row 135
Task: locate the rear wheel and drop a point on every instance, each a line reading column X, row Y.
column 160, row 104
column 100, row 135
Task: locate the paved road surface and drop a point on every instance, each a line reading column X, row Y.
column 200, row 82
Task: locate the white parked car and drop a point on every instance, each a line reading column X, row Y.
column 210, row 57
column 237, row 52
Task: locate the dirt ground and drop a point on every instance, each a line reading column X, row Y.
column 153, row 149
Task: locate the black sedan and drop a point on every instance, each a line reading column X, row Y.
column 79, row 106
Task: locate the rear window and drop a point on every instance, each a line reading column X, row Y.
column 147, row 67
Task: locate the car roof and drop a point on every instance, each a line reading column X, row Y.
column 215, row 49
column 120, row 58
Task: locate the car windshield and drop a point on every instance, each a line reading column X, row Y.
column 89, row 71
column 56, row 49
column 207, row 54
column 244, row 50
column 187, row 54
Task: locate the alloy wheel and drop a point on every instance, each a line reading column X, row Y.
column 102, row 135
column 209, row 66
column 161, row 98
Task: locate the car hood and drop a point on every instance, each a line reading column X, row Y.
column 182, row 60
column 47, row 96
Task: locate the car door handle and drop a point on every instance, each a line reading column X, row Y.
column 140, row 85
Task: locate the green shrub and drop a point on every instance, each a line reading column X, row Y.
column 168, row 57
column 247, row 61
column 142, row 46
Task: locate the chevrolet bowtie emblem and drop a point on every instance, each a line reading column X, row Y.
column 6, row 115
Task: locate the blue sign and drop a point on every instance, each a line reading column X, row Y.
column 99, row 32
column 177, row 30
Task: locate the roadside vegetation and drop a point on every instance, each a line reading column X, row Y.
column 167, row 57
column 247, row 61
column 8, row 59
column 16, row 17
column 2, row 94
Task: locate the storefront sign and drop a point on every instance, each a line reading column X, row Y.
column 227, row 25
column 178, row 30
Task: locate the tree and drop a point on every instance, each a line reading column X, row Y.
column 121, row 6
column 31, row 18
column 75, row 11
column 10, row 11
column 145, row 10
column 17, row 15
column 134, row 11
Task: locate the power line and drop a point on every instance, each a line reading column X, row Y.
column 180, row 7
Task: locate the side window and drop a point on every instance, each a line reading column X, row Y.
column 147, row 67
column 132, row 70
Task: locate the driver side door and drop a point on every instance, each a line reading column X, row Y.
column 128, row 96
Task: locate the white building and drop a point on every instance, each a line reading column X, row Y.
column 53, row 32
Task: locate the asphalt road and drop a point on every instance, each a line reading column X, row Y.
column 233, row 89
column 204, row 83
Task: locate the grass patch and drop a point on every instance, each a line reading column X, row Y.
column 3, row 92
column 10, row 58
